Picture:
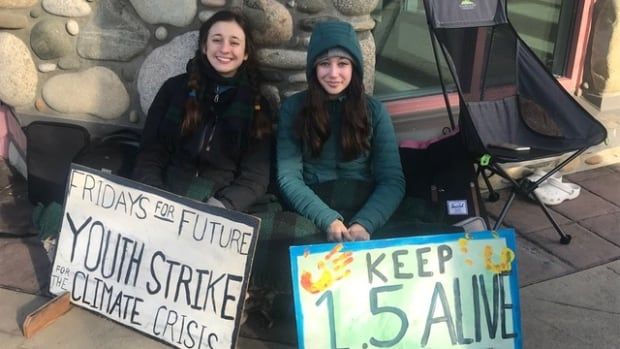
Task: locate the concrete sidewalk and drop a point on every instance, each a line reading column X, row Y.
column 79, row 329
column 570, row 294
column 578, row 311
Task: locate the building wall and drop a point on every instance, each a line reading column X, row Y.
column 101, row 62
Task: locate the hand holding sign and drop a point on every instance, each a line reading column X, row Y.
column 358, row 232
column 337, row 231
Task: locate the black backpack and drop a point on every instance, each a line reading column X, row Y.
column 51, row 146
column 443, row 175
column 113, row 153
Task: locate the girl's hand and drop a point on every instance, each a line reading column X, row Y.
column 337, row 231
column 358, row 233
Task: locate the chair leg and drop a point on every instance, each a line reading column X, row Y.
column 564, row 238
column 504, row 211
column 526, row 188
column 493, row 195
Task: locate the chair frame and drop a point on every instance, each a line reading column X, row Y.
column 524, row 187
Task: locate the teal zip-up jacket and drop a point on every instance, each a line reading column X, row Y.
column 297, row 169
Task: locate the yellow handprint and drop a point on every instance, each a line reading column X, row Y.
column 505, row 264
column 464, row 247
column 332, row 268
column 506, row 257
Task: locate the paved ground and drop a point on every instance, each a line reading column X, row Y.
column 570, row 295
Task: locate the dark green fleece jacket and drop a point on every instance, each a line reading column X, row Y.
column 297, row 169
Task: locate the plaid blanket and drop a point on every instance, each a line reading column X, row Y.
column 280, row 229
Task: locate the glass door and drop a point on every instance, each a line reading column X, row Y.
column 545, row 25
column 405, row 65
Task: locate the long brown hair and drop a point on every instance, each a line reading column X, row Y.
column 261, row 121
column 312, row 124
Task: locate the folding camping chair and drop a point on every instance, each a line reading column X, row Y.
column 511, row 108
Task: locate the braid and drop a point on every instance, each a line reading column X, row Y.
column 262, row 122
column 193, row 111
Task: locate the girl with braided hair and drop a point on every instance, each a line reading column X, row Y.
column 207, row 133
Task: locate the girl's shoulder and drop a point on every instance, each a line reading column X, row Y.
column 377, row 109
column 374, row 103
column 292, row 104
column 173, row 87
column 177, row 81
column 295, row 100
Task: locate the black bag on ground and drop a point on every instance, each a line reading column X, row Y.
column 443, row 175
column 113, row 153
column 51, row 146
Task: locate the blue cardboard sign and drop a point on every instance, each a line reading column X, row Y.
column 442, row 291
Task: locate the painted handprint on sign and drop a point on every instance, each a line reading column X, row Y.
column 506, row 257
column 331, row 268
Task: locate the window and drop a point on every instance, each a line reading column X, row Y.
column 405, row 65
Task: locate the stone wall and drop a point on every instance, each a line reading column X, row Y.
column 102, row 61
column 602, row 70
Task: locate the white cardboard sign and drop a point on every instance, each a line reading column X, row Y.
column 170, row 267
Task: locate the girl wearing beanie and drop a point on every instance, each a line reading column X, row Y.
column 337, row 157
column 338, row 167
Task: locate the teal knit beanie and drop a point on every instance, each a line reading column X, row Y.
column 328, row 35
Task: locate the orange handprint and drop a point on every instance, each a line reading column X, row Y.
column 332, row 268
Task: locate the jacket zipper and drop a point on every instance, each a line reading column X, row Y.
column 216, row 99
column 212, row 133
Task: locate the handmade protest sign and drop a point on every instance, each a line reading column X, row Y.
column 443, row 291
column 170, row 267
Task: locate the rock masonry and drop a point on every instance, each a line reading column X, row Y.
column 104, row 60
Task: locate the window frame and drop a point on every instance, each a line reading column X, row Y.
column 571, row 81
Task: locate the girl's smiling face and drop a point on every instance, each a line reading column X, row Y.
column 334, row 74
column 225, row 48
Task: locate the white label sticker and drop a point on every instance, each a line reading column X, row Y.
column 457, row 207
